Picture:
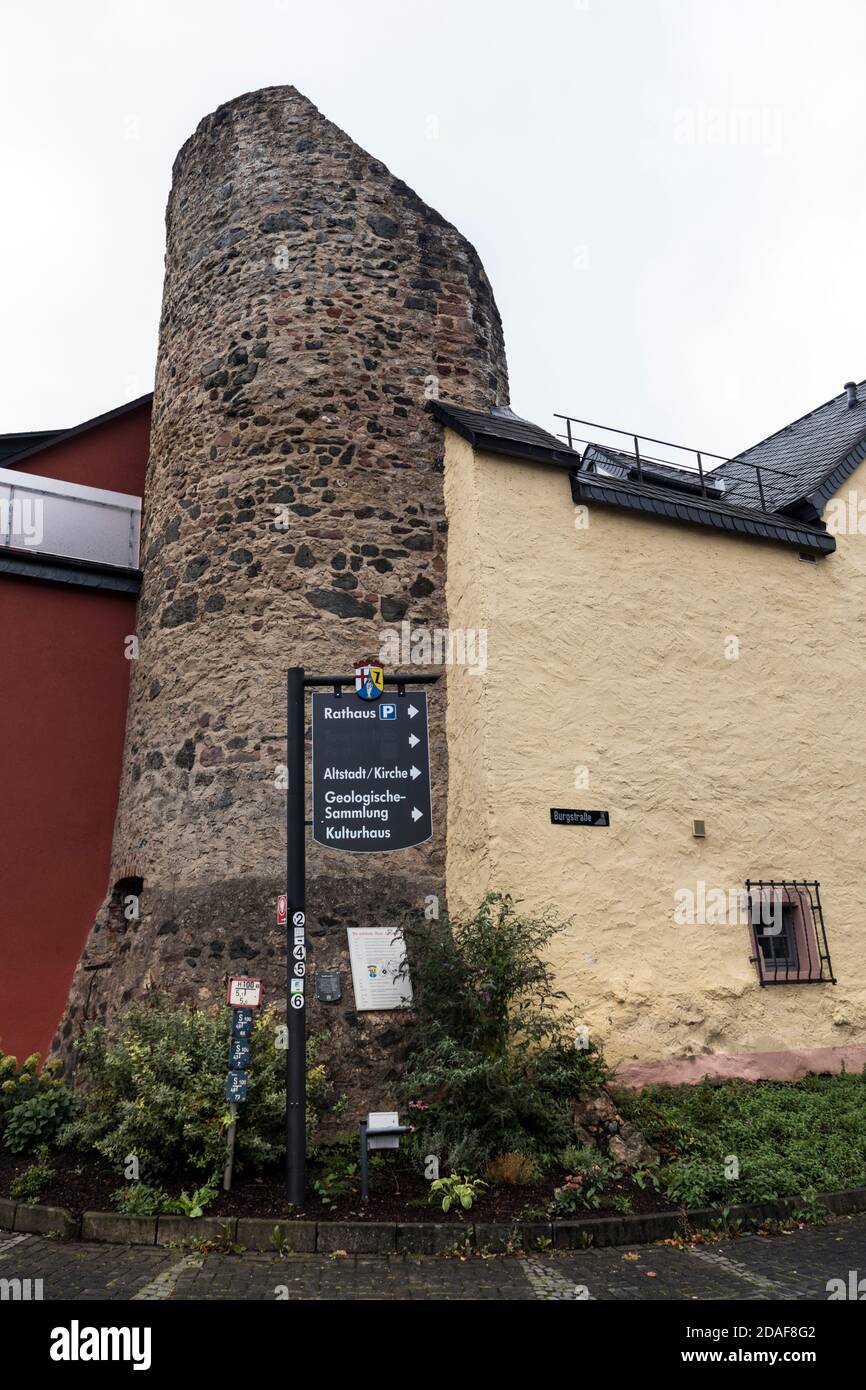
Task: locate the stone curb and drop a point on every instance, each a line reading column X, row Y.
column 410, row 1238
column 116, row 1229
column 44, row 1221
column 174, row 1229
column 294, row 1237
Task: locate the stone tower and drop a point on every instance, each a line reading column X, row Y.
column 294, row 509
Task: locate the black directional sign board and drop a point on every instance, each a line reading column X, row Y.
column 371, row 772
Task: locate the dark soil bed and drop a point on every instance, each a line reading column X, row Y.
column 397, row 1193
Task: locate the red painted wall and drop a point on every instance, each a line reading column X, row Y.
column 111, row 455
column 64, row 682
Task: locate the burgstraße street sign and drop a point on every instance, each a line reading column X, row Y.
column 371, row 772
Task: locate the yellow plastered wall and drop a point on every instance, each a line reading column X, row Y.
column 607, row 650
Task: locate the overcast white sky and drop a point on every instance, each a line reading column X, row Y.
column 668, row 195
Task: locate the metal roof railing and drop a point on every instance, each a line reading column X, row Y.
column 641, row 457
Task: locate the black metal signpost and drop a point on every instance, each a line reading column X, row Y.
column 376, row 768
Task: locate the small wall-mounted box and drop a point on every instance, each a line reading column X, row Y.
column 699, row 829
column 329, row 989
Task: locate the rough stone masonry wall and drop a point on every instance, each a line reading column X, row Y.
column 309, row 295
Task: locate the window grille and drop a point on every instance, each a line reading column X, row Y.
column 789, row 940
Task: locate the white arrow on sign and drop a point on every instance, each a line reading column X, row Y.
column 414, row 772
column 411, row 711
column 416, row 814
column 413, row 740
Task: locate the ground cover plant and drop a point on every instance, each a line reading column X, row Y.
column 752, row 1141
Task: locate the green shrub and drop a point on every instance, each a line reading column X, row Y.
column 191, row 1205
column 138, row 1199
column 34, row 1104
column 590, row 1173
column 39, row 1119
column 493, row 1062
column 788, row 1138
column 29, row 1185
column 155, row 1088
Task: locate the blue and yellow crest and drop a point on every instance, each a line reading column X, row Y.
column 369, row 680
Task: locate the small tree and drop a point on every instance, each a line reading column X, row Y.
column 495, row 1062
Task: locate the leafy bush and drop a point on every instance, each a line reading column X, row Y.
column 590, row 1174
column 138, row 1199
column 336, row 1170
column 34, row 1104
column 29, row 1185
column 39, row 1119
column 193, row 1205
column 789, row 1138
column 155, row 1088
column 494, row 1064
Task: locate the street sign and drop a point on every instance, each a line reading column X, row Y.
column 239, row 1054
column 371, row 773
column 282, row 909
column 236, row 1087
column 244, row 992
column 242, row 1023
column 561, row 816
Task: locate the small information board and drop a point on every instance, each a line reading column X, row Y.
column 242, row 1023
column 377, row 955
column 236, row 1087
column 244, row 993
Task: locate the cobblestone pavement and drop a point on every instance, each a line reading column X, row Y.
column 784, row 1267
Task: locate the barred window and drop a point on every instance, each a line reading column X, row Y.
column 786, row 923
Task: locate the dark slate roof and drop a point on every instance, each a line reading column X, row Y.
column 23, row 441
column 699, row 511
column 500, row 431
column 810, row 451
column 664, row 490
